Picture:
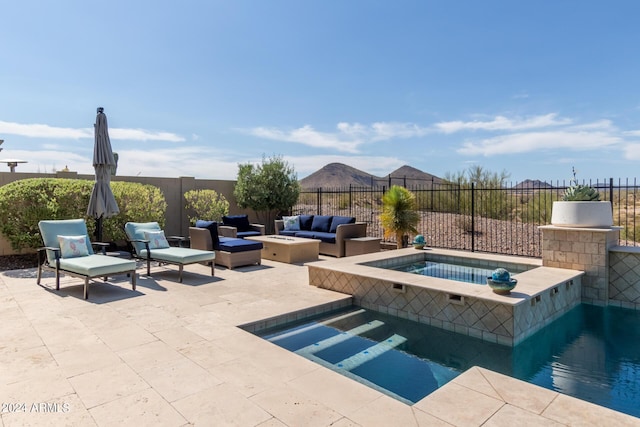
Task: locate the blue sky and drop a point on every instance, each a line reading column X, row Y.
column 193, row 88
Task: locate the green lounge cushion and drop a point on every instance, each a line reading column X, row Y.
column 179, row 255
column 97, row 265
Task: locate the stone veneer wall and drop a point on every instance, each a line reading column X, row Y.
column 624, row 277
column 489, row 320
column 585, row 249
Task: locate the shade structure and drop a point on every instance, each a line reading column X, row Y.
column 102, row 204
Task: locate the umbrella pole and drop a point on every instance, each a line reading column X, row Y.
column 98, row 232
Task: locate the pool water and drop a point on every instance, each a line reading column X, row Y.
column 592, row 353
column 459, row 272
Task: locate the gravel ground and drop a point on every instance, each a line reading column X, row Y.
column 17, row 262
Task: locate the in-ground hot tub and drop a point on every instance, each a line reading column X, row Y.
column 541, row 296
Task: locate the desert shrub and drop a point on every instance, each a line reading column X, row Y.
column 205, row 204
column 25, row 202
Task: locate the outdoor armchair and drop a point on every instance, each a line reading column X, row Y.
column 239, row 226
column 150, row 244
column 68, row 250
column 230, row 252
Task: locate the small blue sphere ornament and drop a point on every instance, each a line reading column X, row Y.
column 500, row 275
column 418, row 242
column 501, row 281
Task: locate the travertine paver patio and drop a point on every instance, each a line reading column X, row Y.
column 170, row 354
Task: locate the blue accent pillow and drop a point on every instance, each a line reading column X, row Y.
column 241, row 222
column 212, row 226
column 338, row 220
column 321, row 223
column 305, row 222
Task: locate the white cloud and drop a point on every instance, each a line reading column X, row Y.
column 503, row 123
column 52, row 132
column 535, row 141
column 347, row 138
column 632, row 133
column 632, row 151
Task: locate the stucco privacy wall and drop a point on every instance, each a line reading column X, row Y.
column 177, row 221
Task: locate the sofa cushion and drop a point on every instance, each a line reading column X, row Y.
column 241, row 222
column 289, row 232
column 212, row 226
column 339, row 220
column 291, row 222
column 325, row 237
column 305, row 222
column 230, row 244
column 321, row 223
column 305, row 234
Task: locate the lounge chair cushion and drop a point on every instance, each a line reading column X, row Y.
column 179, row 255
column 97, row 265
column 135, row 231
column 338, row 220
column 305, row 222
column 241, row 222
column 321, row 223
column 230, row 244
column 51, row 229
column 73, row 246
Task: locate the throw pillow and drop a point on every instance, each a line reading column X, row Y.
column 291, row 223
column 321, row 223
column 156, row 239
column 73, row 246
column 338, row 220
column 305, row 222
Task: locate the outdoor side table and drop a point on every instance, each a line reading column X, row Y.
column 361, row 245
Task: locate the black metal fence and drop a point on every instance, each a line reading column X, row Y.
column 472, row 217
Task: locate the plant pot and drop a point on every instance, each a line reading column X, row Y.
column 582, row 214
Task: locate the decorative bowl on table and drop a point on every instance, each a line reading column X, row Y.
column 501, row 281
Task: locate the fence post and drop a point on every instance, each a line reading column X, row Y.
column 611, row 192
column 473, row 218
column 319, row 201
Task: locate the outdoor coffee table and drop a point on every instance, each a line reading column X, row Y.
column 288, row 249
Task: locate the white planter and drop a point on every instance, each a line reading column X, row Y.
column 582, row 214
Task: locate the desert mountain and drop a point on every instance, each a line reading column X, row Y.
column 341, row 175
column 534, row 184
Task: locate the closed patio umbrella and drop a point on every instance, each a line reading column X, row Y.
column 102, row 204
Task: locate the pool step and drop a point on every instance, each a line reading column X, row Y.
column 337, row 339
column 371, row 353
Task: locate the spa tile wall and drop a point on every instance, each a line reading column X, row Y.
column 624, row 277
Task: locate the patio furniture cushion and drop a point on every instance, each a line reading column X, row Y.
column 305, row 222
column 96, row 265
column 179, row 255
column 291, row 223
column 321, row 223
column 290, row 232
column 324, row 237
column 338, row 220
column 229, row 244
column 157, row 239
column 51, row 229
column 212, row 226
column 241, row 222
column 73, row 246
column 243, row 234
column 135, row 231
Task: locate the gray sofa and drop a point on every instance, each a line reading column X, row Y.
column 330, row 230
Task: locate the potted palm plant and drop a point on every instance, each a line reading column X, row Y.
column 581, row 207
column 399, row 216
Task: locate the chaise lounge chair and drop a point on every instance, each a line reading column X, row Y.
column 150, row 244
column 67, row 249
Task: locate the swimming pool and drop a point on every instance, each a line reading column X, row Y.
column 443, row 270
column 592, row 353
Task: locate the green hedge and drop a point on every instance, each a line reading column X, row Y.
column 24, row 203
